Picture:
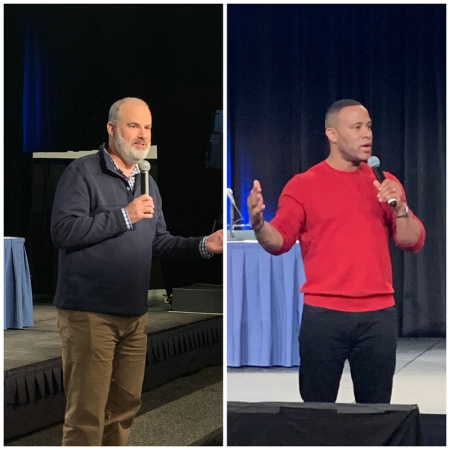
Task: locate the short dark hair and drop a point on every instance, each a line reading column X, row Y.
column 336, row 107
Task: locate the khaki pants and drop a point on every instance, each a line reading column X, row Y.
column 103, row 359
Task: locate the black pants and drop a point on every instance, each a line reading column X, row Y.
column 367, row 339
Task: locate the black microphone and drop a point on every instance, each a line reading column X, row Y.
column 374, row 163
column 145, row 168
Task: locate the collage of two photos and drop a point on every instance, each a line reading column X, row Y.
column 224, row 225
column 336, row 280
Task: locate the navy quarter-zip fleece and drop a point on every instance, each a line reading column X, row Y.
column 104, row 267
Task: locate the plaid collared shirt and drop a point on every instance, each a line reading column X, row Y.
column 131, row 182
column 131, row 179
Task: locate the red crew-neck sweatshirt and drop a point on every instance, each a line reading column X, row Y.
column 343, row 232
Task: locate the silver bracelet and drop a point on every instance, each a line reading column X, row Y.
column 405, row 214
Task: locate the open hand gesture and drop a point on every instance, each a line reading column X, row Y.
column 256, row 204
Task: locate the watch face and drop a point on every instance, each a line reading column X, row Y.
column 405, row 214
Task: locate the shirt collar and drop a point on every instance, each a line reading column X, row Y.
column 135, row 171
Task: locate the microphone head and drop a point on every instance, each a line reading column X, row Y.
column 373, row 161
column 230, row 196
column 144, row 166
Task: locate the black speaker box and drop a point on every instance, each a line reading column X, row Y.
column 202, row 298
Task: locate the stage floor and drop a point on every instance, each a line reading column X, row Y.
column 41, row 341
column 183, row 385
column 180, row 413
column 419, row 379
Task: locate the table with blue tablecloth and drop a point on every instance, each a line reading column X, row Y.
column 18, row 298
column 264, row 305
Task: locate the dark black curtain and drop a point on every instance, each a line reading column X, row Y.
column 64, row 67
column 288, row 63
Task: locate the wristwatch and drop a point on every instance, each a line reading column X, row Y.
column 405, row 214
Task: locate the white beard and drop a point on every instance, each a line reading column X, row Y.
column 128, row 152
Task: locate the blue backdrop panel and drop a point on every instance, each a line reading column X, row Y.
column 264, row 306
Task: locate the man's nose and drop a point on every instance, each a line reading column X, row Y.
column 144, row 133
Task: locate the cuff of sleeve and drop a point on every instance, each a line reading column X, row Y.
column 415, row 248
column 127, row 218
column 289, row 238
column 205, row 254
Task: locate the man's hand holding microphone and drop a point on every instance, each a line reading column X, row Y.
column 141, row 208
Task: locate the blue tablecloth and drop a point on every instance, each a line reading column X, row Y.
column 18, row 300
column 264, row 306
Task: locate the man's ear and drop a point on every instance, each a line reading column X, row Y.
column 110, row 128
column 331, row 135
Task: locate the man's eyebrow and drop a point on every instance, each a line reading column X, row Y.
column 135, row 123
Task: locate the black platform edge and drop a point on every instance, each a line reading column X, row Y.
column 434, row 429
column 272, row 423
column 34, row 394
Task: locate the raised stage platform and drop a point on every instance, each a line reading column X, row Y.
column 420, row 379
column 178, row 344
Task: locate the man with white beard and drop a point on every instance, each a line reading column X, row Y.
column 106, row 232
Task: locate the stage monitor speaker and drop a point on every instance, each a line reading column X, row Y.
column 200, row 297
column 327, row 424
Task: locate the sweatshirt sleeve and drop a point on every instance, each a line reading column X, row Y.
column 416, row 247
column 290, row 214
column 72, row 223
column 166, row 246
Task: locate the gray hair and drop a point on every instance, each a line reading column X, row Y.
column 113, row 115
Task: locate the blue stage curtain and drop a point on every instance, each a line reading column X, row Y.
column 229, row 171
column 264, row 306
column 39, row 89
column 288, row 63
